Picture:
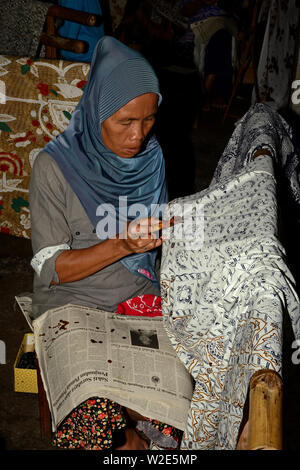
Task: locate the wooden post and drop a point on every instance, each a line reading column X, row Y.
column 76, row 16
column 50, row 52
column 265, row 411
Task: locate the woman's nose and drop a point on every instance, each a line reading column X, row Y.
column 137, row 132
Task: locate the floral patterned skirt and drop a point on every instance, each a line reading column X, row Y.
column 99, row 424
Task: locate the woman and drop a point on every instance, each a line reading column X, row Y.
column 106, row 159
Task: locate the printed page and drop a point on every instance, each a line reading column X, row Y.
column 86, row 352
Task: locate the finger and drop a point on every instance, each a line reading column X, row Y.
column 165, row 224
column 146, row 225
column 133, row 230
column 139, row 228
column 150, row 246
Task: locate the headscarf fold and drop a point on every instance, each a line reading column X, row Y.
column 102, row 180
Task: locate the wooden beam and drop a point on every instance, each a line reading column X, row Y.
column 57, row 42
column 50, row 29
column 81, row 17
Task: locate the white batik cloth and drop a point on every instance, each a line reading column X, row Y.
column 223, row 302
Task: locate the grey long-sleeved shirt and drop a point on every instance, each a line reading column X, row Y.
column 58, row 223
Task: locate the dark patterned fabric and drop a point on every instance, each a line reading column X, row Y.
column 262, row 127
column 276, row 61
column 91, row 425
column 21, row 24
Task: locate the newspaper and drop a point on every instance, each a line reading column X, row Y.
column 25, row 303
column 85, row 352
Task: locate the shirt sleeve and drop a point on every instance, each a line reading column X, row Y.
column 50, row 233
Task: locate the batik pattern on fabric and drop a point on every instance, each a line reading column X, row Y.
column 223, row 302
column 117, row 9
column 276, row 63
column 262, row 127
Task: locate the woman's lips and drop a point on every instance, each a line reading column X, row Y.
column 132, row 150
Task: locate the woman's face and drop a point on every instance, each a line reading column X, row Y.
column 124, row 132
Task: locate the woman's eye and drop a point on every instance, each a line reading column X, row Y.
column 125, row 123
column 150, row 120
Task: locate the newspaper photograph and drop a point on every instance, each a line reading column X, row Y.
column 85, row 352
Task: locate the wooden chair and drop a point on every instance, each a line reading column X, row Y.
column 51, row 38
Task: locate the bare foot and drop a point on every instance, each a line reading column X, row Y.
column 219, row 103
column 133, row 441
column 208, row 84
column 243, row 440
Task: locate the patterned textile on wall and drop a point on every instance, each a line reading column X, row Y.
column 225, row 288
column 37, row 98
column 117, row 9
column 276, row 63
column 169, row 10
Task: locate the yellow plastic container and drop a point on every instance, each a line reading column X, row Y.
column 25, row 380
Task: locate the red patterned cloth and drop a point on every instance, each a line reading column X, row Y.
column 143, row 305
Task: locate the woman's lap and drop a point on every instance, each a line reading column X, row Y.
column 99, row 424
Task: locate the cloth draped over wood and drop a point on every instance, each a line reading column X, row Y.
column 204, row 31
column 223, row 301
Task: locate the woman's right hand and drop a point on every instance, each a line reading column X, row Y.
column 142, row 235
